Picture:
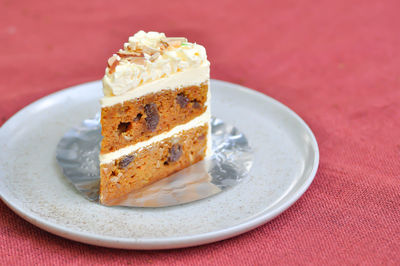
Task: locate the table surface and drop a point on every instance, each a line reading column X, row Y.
column 335, row 63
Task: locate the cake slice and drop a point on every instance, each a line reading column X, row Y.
column 155, row 113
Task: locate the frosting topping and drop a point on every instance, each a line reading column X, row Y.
column 147, row 57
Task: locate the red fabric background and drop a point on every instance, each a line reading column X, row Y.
column 336, row 63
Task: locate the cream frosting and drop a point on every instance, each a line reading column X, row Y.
column 149, row 57
column 196, row 122
column 191, row 77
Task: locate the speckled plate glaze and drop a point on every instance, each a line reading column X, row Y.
column 285, row 162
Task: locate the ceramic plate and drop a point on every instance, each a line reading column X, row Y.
column 31, row 183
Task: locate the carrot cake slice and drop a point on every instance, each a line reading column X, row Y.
column 155, row 113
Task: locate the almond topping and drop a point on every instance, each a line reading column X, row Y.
column 164, row 45
column 112, row 60
column 112, row 63
column 149, row 50
column 125, row 53
column 137, row 60
column 154, row 57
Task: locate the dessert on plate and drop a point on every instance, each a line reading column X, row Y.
column 155, row 113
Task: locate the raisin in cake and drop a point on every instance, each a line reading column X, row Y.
column 155, row 113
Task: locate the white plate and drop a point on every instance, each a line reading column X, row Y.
column 31, row 184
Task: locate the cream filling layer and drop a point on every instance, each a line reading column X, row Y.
column 189, row 77
column 196, row 122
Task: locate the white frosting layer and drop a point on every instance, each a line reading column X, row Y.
column 196, row 122
column 153, row 57
column 190, row 77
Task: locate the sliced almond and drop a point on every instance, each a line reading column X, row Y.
column 163, row 45
column 137, row 60
column 112, row 63
column 125, row 53
column 112, row 60
column 150, row 50
column 154, row 57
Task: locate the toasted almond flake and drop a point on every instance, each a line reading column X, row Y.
column 154, row 57
column 137, row 60
column 112, row 63
column 163, row 45
column 125, row 53
column 150, row 50
column 112, row 60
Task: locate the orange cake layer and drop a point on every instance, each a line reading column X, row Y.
column 152, row 163
column 152, row 114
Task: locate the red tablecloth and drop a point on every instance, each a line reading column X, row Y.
column 336, row 63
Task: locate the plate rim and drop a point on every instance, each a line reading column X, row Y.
column 167, row 242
